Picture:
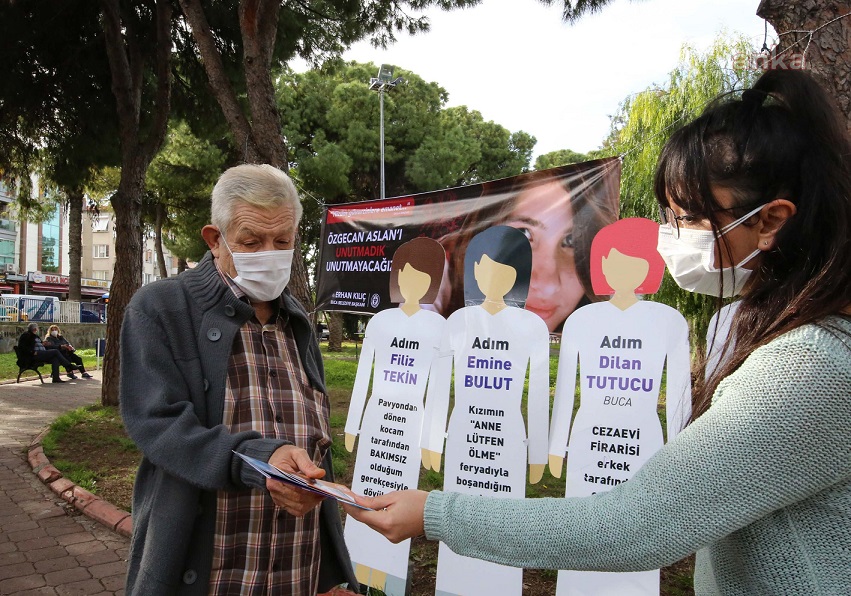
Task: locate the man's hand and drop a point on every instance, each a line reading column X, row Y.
column 295, row 460
column 397, row 515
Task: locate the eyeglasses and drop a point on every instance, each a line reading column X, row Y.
column 672, row 221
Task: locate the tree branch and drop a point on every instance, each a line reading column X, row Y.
column 122, row 85
column 163, row 73
column 220, row 85
column 269, row 13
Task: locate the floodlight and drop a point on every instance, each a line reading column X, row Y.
column 385, row 73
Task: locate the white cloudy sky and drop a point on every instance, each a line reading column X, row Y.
column 518, row 64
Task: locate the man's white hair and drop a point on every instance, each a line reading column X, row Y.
column 260, row 185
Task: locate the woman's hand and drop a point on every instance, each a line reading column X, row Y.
column 397, row 515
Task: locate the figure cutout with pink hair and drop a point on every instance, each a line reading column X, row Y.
column 622, row 349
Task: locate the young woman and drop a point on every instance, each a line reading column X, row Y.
column 54, row 340
column 559, row 212
column 757, row 200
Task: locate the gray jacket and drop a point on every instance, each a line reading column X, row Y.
column 175, row 343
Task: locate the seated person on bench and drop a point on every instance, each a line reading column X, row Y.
column 29, row 345
column 54, row 340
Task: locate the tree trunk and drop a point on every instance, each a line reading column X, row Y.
column 258, row 23
column 181, row 265
column 298, row 285
column 258, row 134
column 75, row 241
column 828, row 47
column 335, row 331
column 139, row 143
column 127, row 277
column 158, row 240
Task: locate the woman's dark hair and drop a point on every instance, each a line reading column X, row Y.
column 593, row 188
column 504, row 245
column 781, row 139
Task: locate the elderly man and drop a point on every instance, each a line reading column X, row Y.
column 30, row 344
column 217, row 360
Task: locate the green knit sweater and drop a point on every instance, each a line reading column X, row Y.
column 759, row 486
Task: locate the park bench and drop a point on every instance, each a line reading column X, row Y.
column 26, row 363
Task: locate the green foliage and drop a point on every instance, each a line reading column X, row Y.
column 103, row 184
column 332, row 126
column 431, row 480
column 465, row 149
column 340, row 372
column 574, row 9
column 90, row 447
column 58, row 116
column 562, row 157
column 331, row 123
column 646, row 120
column 444, row 157
column 75, row 418
column 185, row 164
column 9, row 369
column 79, row 474
column 644, row 123
column 180, row 179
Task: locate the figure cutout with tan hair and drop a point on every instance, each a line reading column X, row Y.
column 622, row 348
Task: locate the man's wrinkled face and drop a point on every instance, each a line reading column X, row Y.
column 251, row 229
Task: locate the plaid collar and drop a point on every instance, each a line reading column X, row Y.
column 237, row 291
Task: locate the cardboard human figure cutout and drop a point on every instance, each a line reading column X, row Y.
column 399, row 347
column 718, row 346
column 491, row 343
column 622, row 348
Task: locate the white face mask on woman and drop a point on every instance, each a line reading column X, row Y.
column 690, row 260
column 54, row 334
column 262, row 275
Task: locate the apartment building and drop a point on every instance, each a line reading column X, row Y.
column 34, row 256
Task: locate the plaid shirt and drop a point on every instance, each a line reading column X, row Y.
column 259, row 548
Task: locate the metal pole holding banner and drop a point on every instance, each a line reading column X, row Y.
column 381, row 110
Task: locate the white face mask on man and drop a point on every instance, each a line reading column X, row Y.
column 690, row 260
column 262, row 275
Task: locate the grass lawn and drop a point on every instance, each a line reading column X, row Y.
column 9, row 370
column 90, row 447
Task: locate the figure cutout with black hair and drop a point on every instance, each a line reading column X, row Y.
column 622, row 347
column 398, row 349
column 492, row 343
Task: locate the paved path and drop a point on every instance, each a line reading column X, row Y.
column 46, row 545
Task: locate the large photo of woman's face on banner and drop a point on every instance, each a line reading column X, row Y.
column 559, row 210
column 560, row 216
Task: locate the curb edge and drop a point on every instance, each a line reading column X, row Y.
column 108, row 515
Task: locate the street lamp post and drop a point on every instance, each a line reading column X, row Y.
column 383, row 81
